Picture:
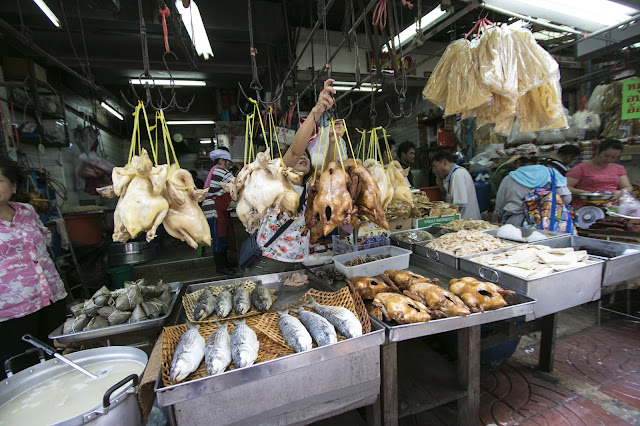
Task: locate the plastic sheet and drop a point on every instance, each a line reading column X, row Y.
column 612, row 98
column 541, row 108
column 597, row 98
column 497, row 61
column 536, row 66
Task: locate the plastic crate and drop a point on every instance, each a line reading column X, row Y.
column 341, row 246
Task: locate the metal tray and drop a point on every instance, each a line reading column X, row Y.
column 618, row 268
column 526, row 232
column 555, row 292
column 436, row 231
column 107, row 332
column 519, row 305
column 286, row 295
column 449, row 259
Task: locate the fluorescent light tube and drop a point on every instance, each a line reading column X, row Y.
column 426, row 22
column 112, row 110
column 45, row 9
column 357, row 89
column 205, row 141
column 166, row 82
column 351, row 83
column 195, row 27
column 192, row 122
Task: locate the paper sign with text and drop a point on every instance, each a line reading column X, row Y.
column 631, row 99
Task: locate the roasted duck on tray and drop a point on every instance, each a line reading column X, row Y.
column 369, row 287
column 437, row 298
column 399, row 308
column 403, row 279
column 478, row 295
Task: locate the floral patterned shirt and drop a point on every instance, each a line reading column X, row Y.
column 28, row 278
column 291, row 245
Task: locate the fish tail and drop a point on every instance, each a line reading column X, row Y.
column 311, row 303
column 238, row 322
column 191, row 325
column 283, row 312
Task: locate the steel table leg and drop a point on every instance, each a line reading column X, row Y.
column 547, row 342
column 469, row 375
column 389, row 391
column 373, row 413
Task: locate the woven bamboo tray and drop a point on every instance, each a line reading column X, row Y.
column 268, row 323
column 189, row 303
column 171, row 336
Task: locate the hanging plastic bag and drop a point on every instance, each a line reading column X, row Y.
column 596, row 99
column 586, row 120
column 628, row 205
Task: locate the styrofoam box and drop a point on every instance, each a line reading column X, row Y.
column 399, row 260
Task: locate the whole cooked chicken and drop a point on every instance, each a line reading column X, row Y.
column 332, row 205
column 382, row 179
column 369, row 287
column 437, row 298
column 478, row 295
column 185, row 220
column 365, row 193
column 141, row 207
column 403, row 279
column 399, row 308
column 397, row 178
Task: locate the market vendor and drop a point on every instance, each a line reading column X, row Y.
column 600, row 174
column 291, row 247
column 31, row 291
column 406, row 157
column 566, row 155
column 457, row 184
column 383, row 150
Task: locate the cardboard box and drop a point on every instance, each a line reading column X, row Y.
column 18, row 69
column 432, row 221
column 400, row 225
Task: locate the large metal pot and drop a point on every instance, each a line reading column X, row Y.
column 130, row 253
column 117, row 406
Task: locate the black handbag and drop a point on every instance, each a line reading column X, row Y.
column 250, row 251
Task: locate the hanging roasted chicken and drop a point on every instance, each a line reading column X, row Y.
column 382, row 179
column 437, row 298
column 368, row 287
column 397, row 178
column 478, row 295
column 399, row 308
column 185, row 220
column 365, row 193
column 141, row 206
column 404, row 279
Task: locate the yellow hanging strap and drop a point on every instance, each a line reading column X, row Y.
column 167, row 141
column 361, row 145
column 273, row 132
column 321, row 146
column 248, row 138
column 332, row 128
column 153, row 150
column 386, row 144
column 346, row 132
column 136, row 132
column 256, row 111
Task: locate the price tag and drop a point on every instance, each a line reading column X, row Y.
column 631, row 99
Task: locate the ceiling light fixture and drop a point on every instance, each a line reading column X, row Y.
column 195, row 27
column 358, row 89
column 166, row 82
column 352, row 83
column 427, row 21
column 187, row 122
column 45, row 9
column 205, row 141
column 112, row 110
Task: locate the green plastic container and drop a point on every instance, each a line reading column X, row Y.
column 119, row 275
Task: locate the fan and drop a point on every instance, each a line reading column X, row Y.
column 588, row 215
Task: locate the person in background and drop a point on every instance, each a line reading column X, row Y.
column 513, row 163
column 567, row 154
column 383, row 149
column 600, row 174
column 31, row 291
column 457, row 184
column 406, row 156
column 215, row 208
column 199, row 183
column 510, row 204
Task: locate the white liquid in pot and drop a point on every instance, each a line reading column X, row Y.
column 67, row 395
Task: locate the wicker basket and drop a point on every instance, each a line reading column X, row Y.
column 189, row 302
column 268, row 323
column 171, row 336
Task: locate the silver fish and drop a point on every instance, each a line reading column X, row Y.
column 188, row 354
column 223, row 304
column 241, row 302
column 294, row 332
column 244, row 344
column 204, row 305
column 217, row 353
column 261, row 298
column 343, row 319
column 322, row 331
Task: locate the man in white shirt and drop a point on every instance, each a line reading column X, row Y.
column 457, row 184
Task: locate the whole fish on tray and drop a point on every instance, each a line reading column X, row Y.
column 188, row 354
column 322, row 331
column 294, row 332
column 241, row 301
column 223, row 304
column 204, row 305
column 217, row 353
column 261, row 298
column 244, row 344
column 343, row 319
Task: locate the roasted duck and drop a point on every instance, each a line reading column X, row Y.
column 142, row 206
column 382, row 179
column 369, row 287
column 479, row 296
column 399, row 308
column 332, row 205
column 365, row 193
column 312, row 226
column 185, row 220
column 403, row 279
column 437, row 298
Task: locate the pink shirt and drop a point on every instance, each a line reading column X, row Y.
column 594, row 179
column 28, row 278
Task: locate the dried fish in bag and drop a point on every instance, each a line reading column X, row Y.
column 541, row 108
column 497, row 62
column 536, row 66
column 129, row 299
